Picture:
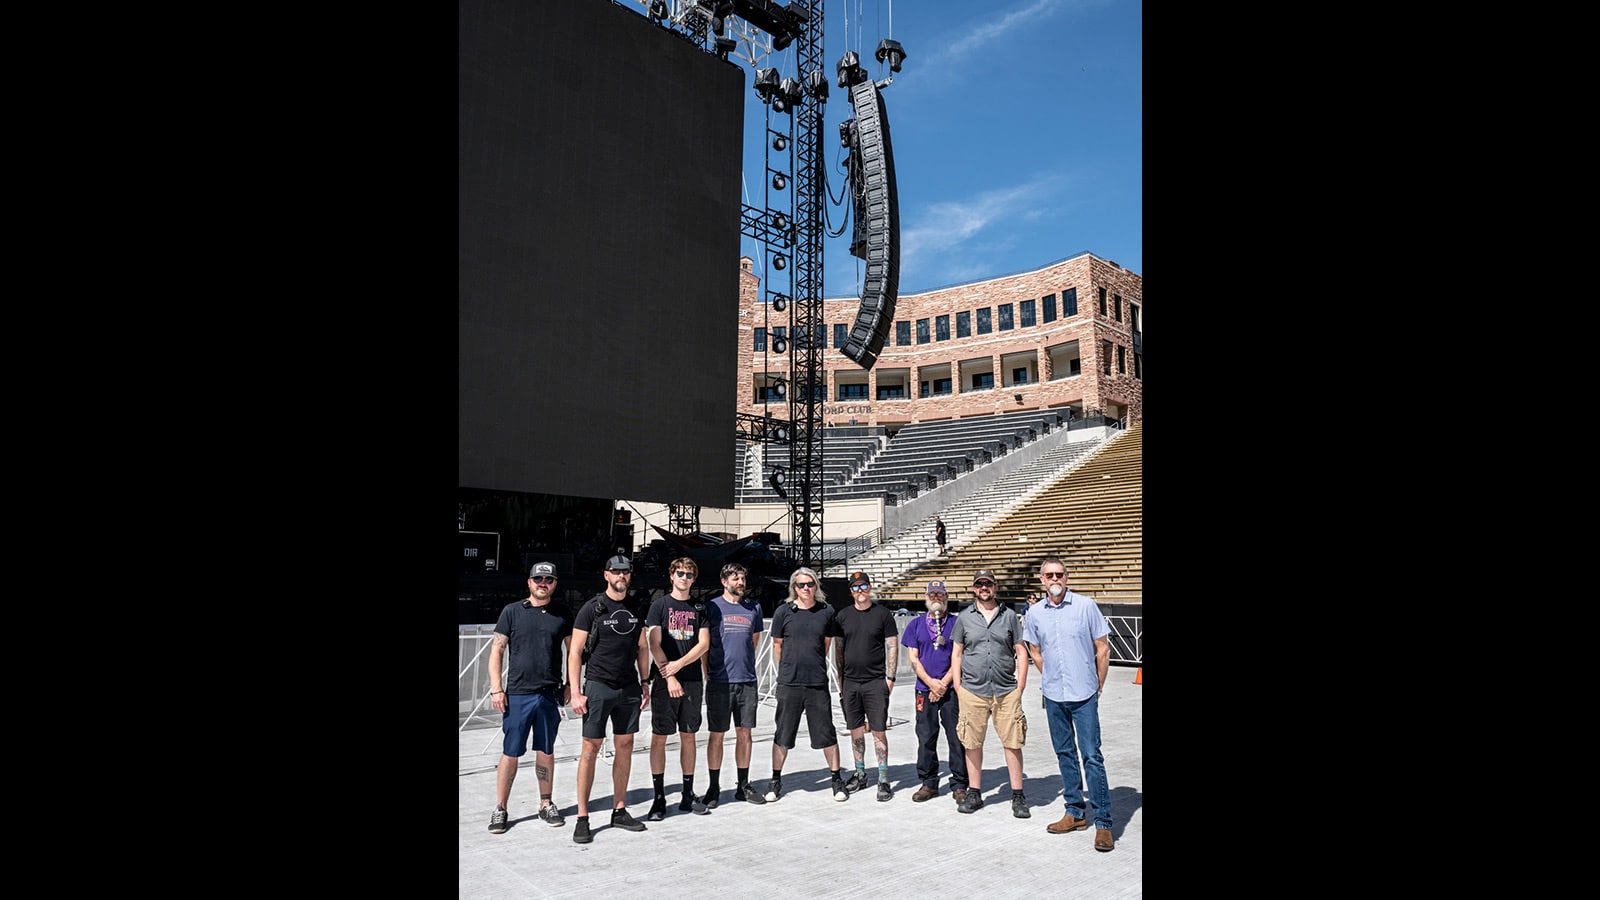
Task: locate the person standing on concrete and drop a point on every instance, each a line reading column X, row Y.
column 868, row 657
column 927, row 642
column 678, row 641
column 1067, row 637
column 530, row 697
column 938, row 533
column 615, row 677
column 991, row 671
column 735, row 623
column 803, row 629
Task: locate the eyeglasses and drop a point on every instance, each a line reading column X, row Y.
column 802, row 585
column 1052, row 574
column 620, row 571
column 860, row 588
column 937, row 596
column 684, row 574
column 544, row 579
column 983, row 584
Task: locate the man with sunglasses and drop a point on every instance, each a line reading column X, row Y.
column 803, row 629
column 735, row 623
column 868, row 659
column 612, row 690
column 530, row 697
column 991, row 671
column 1067, row 637
column 678, row 640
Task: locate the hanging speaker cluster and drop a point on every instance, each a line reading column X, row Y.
column 876, row 238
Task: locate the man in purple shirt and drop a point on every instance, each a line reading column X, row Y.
column 927, row 639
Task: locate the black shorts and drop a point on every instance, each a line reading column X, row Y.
column 865, row 703
column 816, row 704
column 618, row 705
column 734, row 701
column 681, row 715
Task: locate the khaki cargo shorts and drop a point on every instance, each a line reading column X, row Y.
column 1010, row 722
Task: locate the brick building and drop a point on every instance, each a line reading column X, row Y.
column 1069, row 334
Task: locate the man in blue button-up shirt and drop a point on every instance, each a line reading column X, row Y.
column 1066, row 637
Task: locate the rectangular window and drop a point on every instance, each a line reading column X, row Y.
column 922, row 331
column 1102, row 301
column 941, row 328
column 1122, row 368
column 984, row 325
column 922, row 389
column 822, row 335
column 1105, row 357
column 1138, row 366
column 983, row 381
column 1069, row 302
column 902, row 334
column 1133, row 321
column 1005, row 317
column 1026, row 309
column 852, row 392
column 1049, row 307
column 841, row 333
column 761, row 340
column 1116, row 305
column 1019, row 376
column 1077, row 366
column 891, row 392
column 941, row 386
column 963, row 324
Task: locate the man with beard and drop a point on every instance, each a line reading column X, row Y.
column 927, row 641
column 735, row 624
column 991, row 671
column 614, row 682
column 868, row 660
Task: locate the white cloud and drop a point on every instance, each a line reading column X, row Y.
column 929, row 236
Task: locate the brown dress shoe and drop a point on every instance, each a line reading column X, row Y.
column 1068, row 823
column 958, row 795
column 924, row 793
column 1102, row 840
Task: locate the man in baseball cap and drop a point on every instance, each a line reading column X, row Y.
column 991, row 672
column 860, row 578
column 927, row 642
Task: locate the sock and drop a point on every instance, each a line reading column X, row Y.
column 661, row 790
column 1015, row 793
column 545, row 798
column 883, row 773
column 777, row 773
column 839, row 774
column 688, row 785
column 744, row 776
column 861, row 768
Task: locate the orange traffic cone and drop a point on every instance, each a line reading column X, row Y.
column 1138, row 677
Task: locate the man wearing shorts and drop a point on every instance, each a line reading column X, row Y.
column 530, row 698
column 803, row 629
column 614, row 682
column 991, row 669
column 868, row 657
column 678, row 639
column 735, row 624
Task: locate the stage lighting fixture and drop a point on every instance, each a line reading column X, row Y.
column 819, row 85
column 894, row 51
column 724, row 47
column 777, row 388
column 788, row 96
column 780, row 302
column 851, row 72
column 776, row 480
column 658, row 10
column 766, row 83
column 780, row 344
column 780, row 143
column 847, row 130
column 780, row 262
column 781, row 222
column 779, row 182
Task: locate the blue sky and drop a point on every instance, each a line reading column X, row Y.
column 1016, row 129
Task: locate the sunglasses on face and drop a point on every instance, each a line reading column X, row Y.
column 861, row 589
column 684, row 574
column 802, row 585
column 984, row 584
column 544, row 579
column 1052, row 574
column 620, row 571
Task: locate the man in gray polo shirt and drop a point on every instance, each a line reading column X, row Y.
column 991, row 669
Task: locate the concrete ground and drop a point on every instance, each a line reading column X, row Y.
column 806, row 844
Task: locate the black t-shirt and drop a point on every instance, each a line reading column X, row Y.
column 680, row 625
column 616, row 653
column 864, row 631
column 802, row 632
column 534, row 637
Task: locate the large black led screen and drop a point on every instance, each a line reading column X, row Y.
column 598, row 224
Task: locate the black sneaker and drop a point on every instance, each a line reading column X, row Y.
column 552, row 815
column 691, row 804
column 497, row 821
column 970, row 803
column 1019, row 807
column 774, row 788
column 857, row 782
column 580, row 834
column 883, row 791
column 749, row 795
column 658, row 810
column 839, row 793
column 710, row 799
column 621, row 819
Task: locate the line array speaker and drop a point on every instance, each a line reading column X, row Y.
column 877, row 232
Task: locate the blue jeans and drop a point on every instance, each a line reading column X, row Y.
column 1075, row 729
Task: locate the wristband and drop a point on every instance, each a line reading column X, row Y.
column 492, row 693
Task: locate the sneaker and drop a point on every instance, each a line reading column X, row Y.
column 1019, row 806
column 883, row 791
column 839, row 792
column 857, row 782
column 497, row 821
column 971, row 803
column 774, row 788
column 711, row 797
column 658, row 810
column 749, row 795
column 552, row 815
column 692, row 804
column 580, row 834
column 924, row 793
column 621, row 819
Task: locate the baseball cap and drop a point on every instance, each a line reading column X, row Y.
column 984, row 574
column 619, row 563
column 936, row 587
column 543, row 568
column 860, row 578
